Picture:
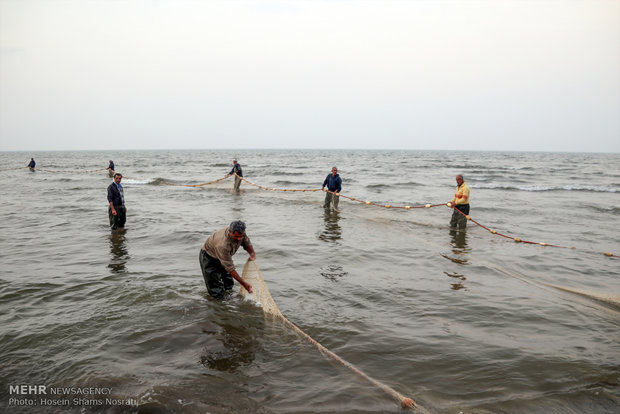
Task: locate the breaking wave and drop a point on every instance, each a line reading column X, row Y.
column 613, row 188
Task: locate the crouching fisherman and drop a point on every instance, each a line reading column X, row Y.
column 117, row 211
column 31, row 164
column 216, row 261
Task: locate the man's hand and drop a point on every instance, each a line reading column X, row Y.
column 248, row 287
column 252, row 256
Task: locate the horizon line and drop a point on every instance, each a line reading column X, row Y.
column 312, row 149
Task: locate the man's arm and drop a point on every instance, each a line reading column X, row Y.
column 250, row 250
column 113, row 209
column 242, row 282
column 110, row 198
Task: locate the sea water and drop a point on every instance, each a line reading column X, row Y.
column 459, row 321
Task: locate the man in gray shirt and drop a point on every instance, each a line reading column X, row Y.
column 216, row 261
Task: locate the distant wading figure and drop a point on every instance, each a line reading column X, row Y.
column 111, row 168
column 32, row 164
column 460, row 202
column 334, row 184
column 116, row 198
column 216, row 263
column 236, row 169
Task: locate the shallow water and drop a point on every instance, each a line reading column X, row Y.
column 461, row 322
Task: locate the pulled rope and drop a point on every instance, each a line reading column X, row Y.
column 409, row 207
column 338, row 194
column 72, row 171
column 277, row 189
column 195, row 185
column 263, row 297
column 519, row 240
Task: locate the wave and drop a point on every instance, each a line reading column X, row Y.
column 378, row 186
column 409, row 184
column 283, row 173
column 135, row 181
column 610, row 209
column 162, row 181
column 286, row 183
column 534, row 188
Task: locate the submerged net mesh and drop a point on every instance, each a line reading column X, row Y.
column 260, row 294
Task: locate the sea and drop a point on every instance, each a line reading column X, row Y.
column 472, row 321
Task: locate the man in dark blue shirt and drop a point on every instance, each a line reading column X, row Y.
column 111, row 168
column 333, row 183
column 236, row 169
column 117, row 211
column 31, row 164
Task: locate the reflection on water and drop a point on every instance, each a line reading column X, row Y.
column 332, row 231
column 459, row 256
column 234, row 347
column 459, row 241
column 457, row 285
column 118, row 250
column 333, row 272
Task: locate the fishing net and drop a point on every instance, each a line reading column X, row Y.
column 260, row 294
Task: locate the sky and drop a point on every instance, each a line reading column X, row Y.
column 526, row 75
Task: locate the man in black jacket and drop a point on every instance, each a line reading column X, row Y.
column 334, row 186
column 116, row 198
column 238, row 174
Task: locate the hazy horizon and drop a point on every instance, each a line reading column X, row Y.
column 446, row 75
column 241, row 150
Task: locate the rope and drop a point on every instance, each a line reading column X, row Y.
column 262, row 296
column 195, row 185
column 407, row 207
column 13, row 169
column 519, row 240
column 365, row 202
column 339, row 194
column 277, row 189
column 72, row 171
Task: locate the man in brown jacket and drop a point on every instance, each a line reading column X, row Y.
column 216, row 261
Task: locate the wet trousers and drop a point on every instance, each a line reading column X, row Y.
column 237, row 183
column 458, row 220
column 117, row 221
column 331, row 198
column 217, row 279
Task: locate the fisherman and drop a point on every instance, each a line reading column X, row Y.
column 111, row 168
column 460, row 202
column 31, row 164
column 334, row 186
column 216, row 261
column 117, row 211
column 236, row 169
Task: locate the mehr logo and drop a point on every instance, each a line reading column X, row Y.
column 27, row 389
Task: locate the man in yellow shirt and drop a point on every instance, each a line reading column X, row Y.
column 460, row 202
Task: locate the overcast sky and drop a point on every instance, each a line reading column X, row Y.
column 453, row 75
